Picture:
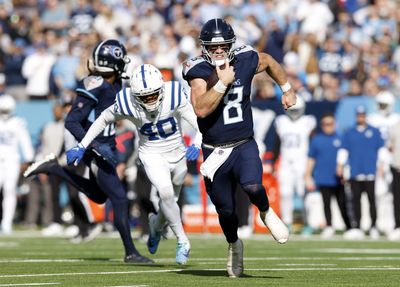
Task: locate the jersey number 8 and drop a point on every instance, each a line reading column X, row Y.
column 231, row 117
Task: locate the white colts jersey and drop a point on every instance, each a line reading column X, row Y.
column 294, row 136
column 14, row 137
column 159, row 132
column 383, row 123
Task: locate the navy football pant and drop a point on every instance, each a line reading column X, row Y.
column 243, row 167
column 103, row 183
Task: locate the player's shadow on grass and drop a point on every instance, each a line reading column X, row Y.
column 220, row 273
column 106, row 259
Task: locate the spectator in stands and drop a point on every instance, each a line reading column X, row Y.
column 13, row 61
column 36, row 70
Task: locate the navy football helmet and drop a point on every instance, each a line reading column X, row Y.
column 217, row 32
column 109, row 56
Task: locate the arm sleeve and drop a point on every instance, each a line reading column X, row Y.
column 80, row 111
column 185, row 110
column 106, row 117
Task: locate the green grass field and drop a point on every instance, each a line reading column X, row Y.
column 26, row 260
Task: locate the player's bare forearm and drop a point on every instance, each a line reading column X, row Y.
column 276, row 72
column 272, row 67
column 204, row 101
column 309, row 168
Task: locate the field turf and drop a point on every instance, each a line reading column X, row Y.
column 27, row 259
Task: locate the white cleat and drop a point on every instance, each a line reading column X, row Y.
column 278, row 229
column 182, row 252
column 234, row 265
column 394, row 235
column 354, row 234
column 374, row 233
column 54, row 229
column 34, row 168
column 328, row 232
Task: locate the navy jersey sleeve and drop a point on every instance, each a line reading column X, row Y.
column 249, row 56
column 87, row 91
column 76, row 118
column 196, row 68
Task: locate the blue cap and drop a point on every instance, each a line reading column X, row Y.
column 361, row 109
column 20, row 42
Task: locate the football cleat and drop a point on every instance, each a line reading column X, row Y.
column 154, row 236
column 278, row 229
column 136, row 258
column 93, row 232
column 41, row 166
column 354, row 234
column 182, row 252
column 234, row 265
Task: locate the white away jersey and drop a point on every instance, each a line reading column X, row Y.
column 383, row 123
column 14, row 137
column 294, row 136
column 158, row 132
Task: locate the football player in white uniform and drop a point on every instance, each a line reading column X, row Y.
column 14, row 137
column 384, row 119
column 156, row 108
column 293, row 129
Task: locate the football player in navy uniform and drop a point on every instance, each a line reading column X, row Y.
column 95, row 93
column 225, row 120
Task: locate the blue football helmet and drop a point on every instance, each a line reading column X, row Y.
column 109, row 56
column 217, row 32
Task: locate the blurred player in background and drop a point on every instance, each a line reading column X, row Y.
column 293, row 131
column 384, row 119
column 14, row 137
column 394, row 147
column 95, row 93
column 220, row 82
column 157, row 109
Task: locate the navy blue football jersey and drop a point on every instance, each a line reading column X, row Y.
column 94, row 95
column 232, row 120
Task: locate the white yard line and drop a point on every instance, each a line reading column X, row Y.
column 354, row 250
column 39, row 260
column 6, row 244
column 30, row 284
column 214, row 260
column 207, row 269
column 306, row 264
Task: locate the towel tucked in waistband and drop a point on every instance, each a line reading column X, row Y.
column 209, row 167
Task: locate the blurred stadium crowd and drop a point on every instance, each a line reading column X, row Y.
column 339, row 55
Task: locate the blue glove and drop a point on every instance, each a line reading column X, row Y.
column 75, row 155
column 105, row 152
column 192, row 152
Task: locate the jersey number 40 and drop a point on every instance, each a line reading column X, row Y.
column 161, row 129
